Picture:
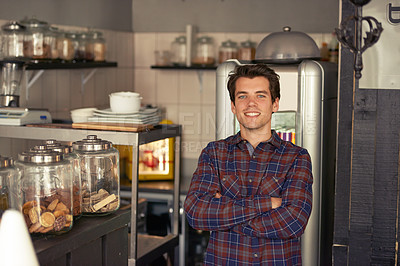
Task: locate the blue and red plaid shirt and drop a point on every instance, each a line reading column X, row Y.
column 245, row 230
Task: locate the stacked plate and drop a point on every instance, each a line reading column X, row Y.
column 146, row 115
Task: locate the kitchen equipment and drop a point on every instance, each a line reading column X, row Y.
column 13, row 40
column 286, row 47
column 35, row 46
column 56, row 146
column 8, row 175
column 125, row 102
column 15, row 116
column 11, row 76
column 307, row 109
column 227, row 50
column 99, row 166
column 81, row 115
column 178, row 48
column 45, row 191
column 204, row 52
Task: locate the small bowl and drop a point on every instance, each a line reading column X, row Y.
column 125, row 102
column 81, row 115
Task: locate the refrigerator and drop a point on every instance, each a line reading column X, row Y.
column 307, row 116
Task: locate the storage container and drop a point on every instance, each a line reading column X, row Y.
column 178, row 48
column 8, row 176
column 35, row 46
column 99, row 166
column 13, row 40
column 227, row 50
column 204, row 52
column 45, row 191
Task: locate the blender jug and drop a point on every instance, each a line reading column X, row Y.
column 11, row 76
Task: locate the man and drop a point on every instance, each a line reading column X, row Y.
column 252, row 190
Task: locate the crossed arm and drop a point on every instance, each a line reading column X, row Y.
column 257, row 215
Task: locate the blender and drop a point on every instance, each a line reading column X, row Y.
column 11, row 76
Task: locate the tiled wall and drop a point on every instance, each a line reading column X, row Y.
column 186, row 96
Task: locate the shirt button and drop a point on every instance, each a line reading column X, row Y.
column 254, row 156
column 255, row 255
column 223, row 179
column 250, row 180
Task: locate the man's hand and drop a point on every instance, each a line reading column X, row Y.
column 276, row 202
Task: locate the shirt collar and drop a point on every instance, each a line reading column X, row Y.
column 275, row 139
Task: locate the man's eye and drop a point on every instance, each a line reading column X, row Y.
column 241, row 97
column 261, row 96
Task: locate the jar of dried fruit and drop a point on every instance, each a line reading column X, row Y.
column 99, row 166
column 45, row 191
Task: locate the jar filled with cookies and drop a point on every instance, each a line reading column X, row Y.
column 57, row 146
column 99, row 166
column 45, row 191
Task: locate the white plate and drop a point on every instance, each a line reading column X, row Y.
column 109, row 112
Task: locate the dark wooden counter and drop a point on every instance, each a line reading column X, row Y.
column 98, row 240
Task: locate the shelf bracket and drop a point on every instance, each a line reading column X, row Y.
column 31, row 80
column 84, row 79
column 200, row 77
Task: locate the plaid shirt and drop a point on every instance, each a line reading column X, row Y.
column 245, row 230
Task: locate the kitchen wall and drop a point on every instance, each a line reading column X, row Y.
column 186, row 97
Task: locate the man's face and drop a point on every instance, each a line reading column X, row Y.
column 253, row 104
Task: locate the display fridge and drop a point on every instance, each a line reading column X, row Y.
column 306, row 117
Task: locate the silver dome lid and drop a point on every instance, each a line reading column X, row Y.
column 91, row 143
column 286, row 47
column 40, row 154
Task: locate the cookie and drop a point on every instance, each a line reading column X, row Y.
column 47, row 219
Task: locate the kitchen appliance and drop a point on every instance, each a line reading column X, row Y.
column 307, row 116
column 10, row 113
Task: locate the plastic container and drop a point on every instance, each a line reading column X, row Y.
column 178, row 48
column 8, row 176
column 13, row 40
column 204, row 52
column 227, row 50
column 99, row 166
column 247, row 50
column 76, row 174
column 45, row 191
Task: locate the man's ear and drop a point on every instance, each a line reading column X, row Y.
column 233, row 107
column 275, row 105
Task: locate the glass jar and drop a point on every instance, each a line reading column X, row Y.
column 228, row 50
column 96, row 47
column 45, row 191
column 34, row 39
column 99, row 166
column 76, row 174
column 247, row 51
column 8, row 176
column 80, row 53
column 13, row 40
column 204, row 52
column 178, row 48
column 50, row 41
column 70, row 46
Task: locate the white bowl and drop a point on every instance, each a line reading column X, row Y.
column 81, row 115
column 125, row 102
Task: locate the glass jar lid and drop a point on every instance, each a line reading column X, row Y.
column 204, row 39
column 248, row 44
column 13, row 26
column 6, row 162
column 91, row 143
column 40, row 154
column 229, row 43
column 57, row 146
column 34, row 23
column 180, row 39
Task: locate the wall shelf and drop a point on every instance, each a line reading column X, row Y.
column 185, row 67
column 67, row 65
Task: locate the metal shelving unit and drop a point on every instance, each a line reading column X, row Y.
column 143, row 248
